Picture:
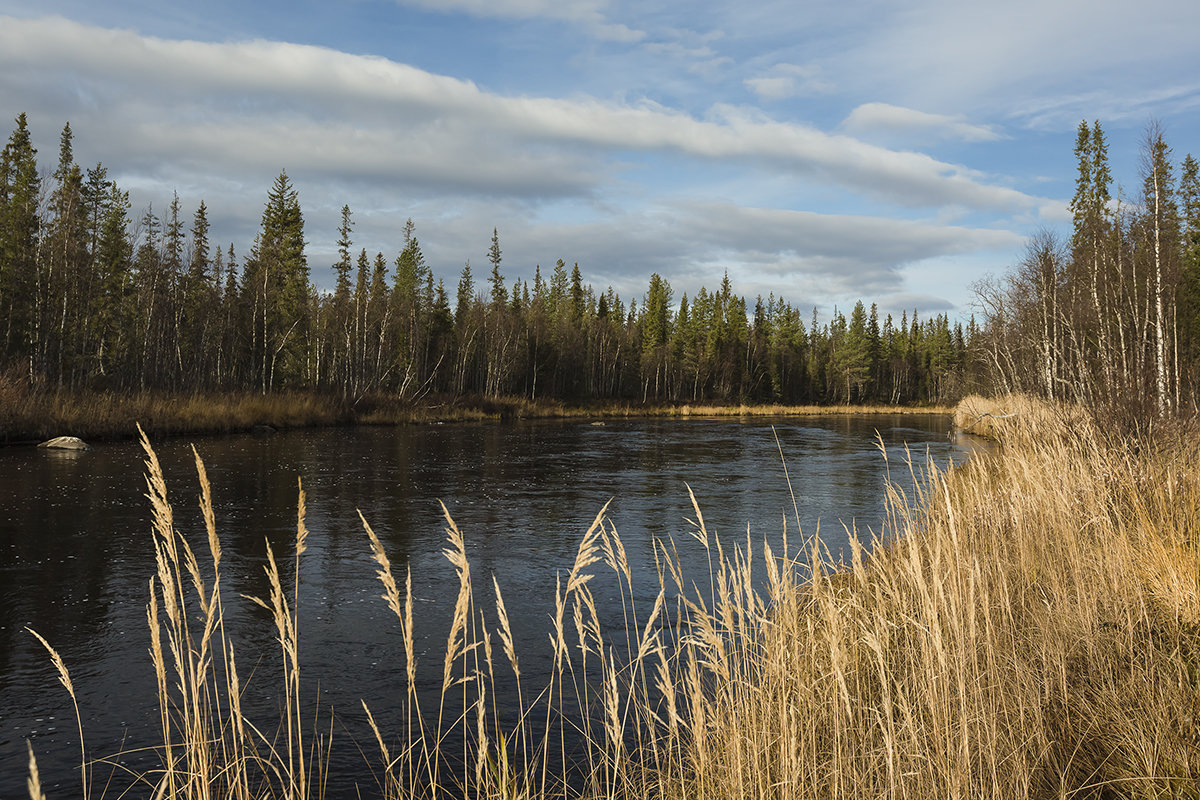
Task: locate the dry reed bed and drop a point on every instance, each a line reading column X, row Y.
column 997, row 417
column 29, row 414
column 472, row 409
column 97, row 415
column 1030, row 629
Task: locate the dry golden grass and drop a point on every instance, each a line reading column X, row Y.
column 27, row 415
column 1001, row 417
column 795, row 410
column 1030, row 629
column 384, row 411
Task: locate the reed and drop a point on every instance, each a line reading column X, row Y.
column 1028, row 626
column 28, row 414
column 385, row 411
column 37, row 415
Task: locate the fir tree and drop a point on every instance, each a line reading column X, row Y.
column 20, row 190
column 276, row 274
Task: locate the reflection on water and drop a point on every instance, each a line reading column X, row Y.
column 76, row 553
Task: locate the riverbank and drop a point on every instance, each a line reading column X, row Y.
column 1031, row 631
column 27, row 416
column 1014, row 415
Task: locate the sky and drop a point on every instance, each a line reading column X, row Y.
column 894, row 152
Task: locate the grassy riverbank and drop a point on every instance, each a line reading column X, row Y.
column 1034, row 631
column 1031, row 631
column 29, row 416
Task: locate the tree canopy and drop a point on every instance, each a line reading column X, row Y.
column 89, row 300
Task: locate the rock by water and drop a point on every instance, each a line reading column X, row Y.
column 65, row 443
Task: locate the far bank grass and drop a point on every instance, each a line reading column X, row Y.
column 29, row 416
column 98, row 416
column 521, row 408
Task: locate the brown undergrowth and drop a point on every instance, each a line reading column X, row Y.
column 92, row 416
column 30, row 414
column 1029, row 628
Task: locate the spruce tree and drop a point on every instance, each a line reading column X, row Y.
column 276, row 274
column 499, row 292
column 1189, row 273
column 20, row 190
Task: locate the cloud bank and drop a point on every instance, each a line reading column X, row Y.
column 561, row 176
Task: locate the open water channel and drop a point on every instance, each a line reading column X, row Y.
column 76, row 551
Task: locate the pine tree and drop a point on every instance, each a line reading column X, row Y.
column 656, row 330
column 152, row 295
column 344, row 324
column 1162, row 230
column 852, row 353
column 499, row 292
column 341, row 269
column 410, row 311
column 114, row 265
column 276, row 276
column 466, row 333
column 1189, row 273
column 874, row 352
column 196, row 302
column 200, row 265
column 559, row 287
column 65, row 270
column 175, row 280
column 1092, row 224
column 20, row 224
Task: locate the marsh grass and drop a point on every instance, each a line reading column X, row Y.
column 1030, row 629
column 469, row 409
column 29, row 413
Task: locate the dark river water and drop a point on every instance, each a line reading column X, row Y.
column 76, row 551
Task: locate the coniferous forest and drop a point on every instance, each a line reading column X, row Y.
column 1108, row 319
column 95, row 296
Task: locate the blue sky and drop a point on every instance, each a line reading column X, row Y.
column 826, row 152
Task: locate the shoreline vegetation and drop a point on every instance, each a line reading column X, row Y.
column 1031, row 630
column 28, row 417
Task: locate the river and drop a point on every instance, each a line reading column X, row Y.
column 76, row 549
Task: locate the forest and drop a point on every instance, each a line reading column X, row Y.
column 96, row 297
column 1110, row 318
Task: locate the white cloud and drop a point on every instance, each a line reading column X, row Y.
column 788, row 80
column 925, row 305
column 694, row 51
column 772, row 88
column 847, row 255
column 807, row 258
column 887, row 118
column 219, row 120
column 821, row 258
column 1064, row 111
column 588, row 13
column 991, row 59
column 336, row 111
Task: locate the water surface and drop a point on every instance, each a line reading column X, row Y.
column 76, row 549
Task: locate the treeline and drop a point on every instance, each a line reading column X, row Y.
column 90, row 299
column 1110, row 318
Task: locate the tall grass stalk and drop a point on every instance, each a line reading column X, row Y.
column 209, row 748
column 1026, row 626
column 64, row 678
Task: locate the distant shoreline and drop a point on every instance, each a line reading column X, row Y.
column 34, row 417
